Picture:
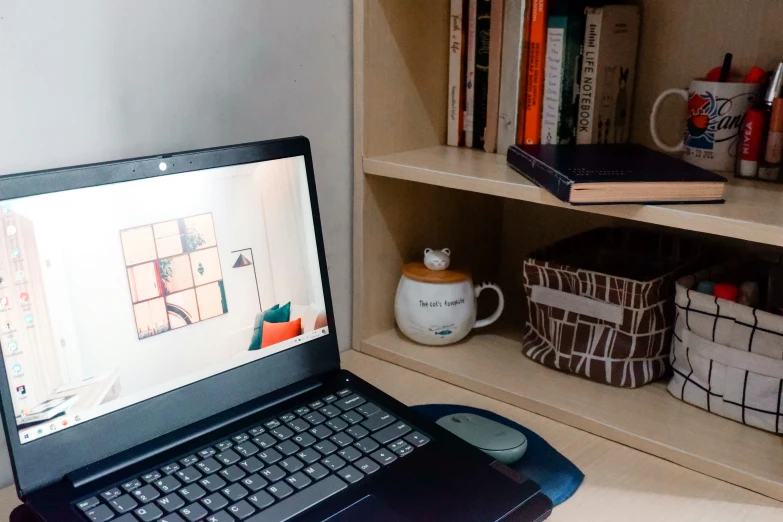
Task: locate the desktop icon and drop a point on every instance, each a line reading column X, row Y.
column 65, row 423
column 7, row 325
column 13, row 346
column 24, row 297
column 3, row 302
column 17, row 369
column 21, row 390
column 28, row 319
column 6, row 208
column 16, row 253
column 40, row 431
column 77, row 418
column 11, row 230
column 26, row 436
column 52, row 427
column 20, row 275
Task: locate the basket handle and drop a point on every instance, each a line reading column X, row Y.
column 577, row 304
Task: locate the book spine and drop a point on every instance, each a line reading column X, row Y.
column 481, row 93
column 493, row 86
column 553, row 78
column 535, row 73
column 523, row 69
column 470, row 73
column 540, row 173
column 571, row 76
column 456, row 77
column 511, row 73
column 586, row 113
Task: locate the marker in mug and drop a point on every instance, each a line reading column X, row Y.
column 773, row 152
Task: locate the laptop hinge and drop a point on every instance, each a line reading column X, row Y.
column 182, row 436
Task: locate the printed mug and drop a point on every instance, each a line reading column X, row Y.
column 714, row 121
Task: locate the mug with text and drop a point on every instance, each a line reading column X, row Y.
column 714, row 120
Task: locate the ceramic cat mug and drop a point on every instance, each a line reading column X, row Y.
column 437, row 306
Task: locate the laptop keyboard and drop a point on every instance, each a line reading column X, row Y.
column 269, row 473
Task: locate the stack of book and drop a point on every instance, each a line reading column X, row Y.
column 540, row 72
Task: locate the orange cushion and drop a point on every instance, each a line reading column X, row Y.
column 274, row 333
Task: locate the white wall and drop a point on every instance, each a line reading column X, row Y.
column 89, row 80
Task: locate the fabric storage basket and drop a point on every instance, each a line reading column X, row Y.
column 600, row 304
column 727, row 358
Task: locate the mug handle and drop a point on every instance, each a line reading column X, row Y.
column 654, row 114
column 501, row 303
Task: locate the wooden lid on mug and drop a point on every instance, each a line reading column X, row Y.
column 419, row 272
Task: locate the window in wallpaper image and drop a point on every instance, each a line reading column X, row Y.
column 174, row 274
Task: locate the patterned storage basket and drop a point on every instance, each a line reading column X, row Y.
column 600, row 304
column 727, row 358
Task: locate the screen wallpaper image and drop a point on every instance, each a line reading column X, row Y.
column 112, row 295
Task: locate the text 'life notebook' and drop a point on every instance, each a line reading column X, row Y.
column 611, row 174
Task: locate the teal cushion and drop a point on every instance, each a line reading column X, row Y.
column 276, row 314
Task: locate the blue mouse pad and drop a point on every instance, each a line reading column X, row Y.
column 558, row 477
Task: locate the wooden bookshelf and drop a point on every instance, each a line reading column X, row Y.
column 412, row 192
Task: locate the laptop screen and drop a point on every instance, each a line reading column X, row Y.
column 114, row 294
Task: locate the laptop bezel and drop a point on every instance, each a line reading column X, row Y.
column 48, row 459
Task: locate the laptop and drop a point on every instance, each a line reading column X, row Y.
column 170, row 355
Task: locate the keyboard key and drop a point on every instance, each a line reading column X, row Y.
column 111, row 494
column 342, row 439
column 212, row 483
column 220, row 516
column 288, row 417
column 270, row 456
column 171, row 517
column 326, row 447
column 146, row 494
column 273, row 473
column 246, row 449
column 316, row 471
column 223, row 446
column 337, row 424
column 357, row 432
column 235, row 492
column 299, row 480
column 189, row 474
column 214, row 502
column 239, row 439
column 384, row 456
column 304, row 410
column 392, row 432
column 233, row 474
column 403, row 451
column 302, row 501
column 351, row 474
column 151, row 477
column 317, row 404
column 261, row 499
column 209, row 466
column 280, row 489
column 309, row 456
column 241, row 510
column 265, row 441
column 299, row 425
column 367, row 445
column 258, row 430
column 228, row 457
column 330, row 399
column 206, row 453
column 304, row 439
column 171, row 468
column 291, row 464
column 193, row 512
column 251, row 465
column 130, row 518
column 330, row 411
column 397, row 444
column 333, row 462
column 123, row 504
column 321, row 432
column 171, row 502
column 192, row 493
column 314, row 418
column 417, row 439
column 351, row 417
column 254, row 482
column 350, row 453
column 188, row 461
column 287, row 447
column 367, row 466
column 350, row 402
column 274, row 423
column 131, row 485
column 344, row 393
column 282, row 433
column 378, row 421
column 102, row 513
column 149, row 513
column 368, row 409
column 90, row 503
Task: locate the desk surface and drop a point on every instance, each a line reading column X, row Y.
column 621, row 483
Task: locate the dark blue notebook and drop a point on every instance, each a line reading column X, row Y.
column 611, row 174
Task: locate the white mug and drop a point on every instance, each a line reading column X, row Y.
column 714, row 120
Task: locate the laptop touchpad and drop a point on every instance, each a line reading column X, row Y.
column 369, row 508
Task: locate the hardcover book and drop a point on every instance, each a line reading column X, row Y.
column 456, row 110
column 531, row 130
column 493, row 90
column 610, row 174
column 513, row 72
column 481, row 87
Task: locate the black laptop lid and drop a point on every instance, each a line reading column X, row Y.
column 140, row 296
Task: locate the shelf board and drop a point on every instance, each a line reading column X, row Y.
column 647, row 418
column 753, row 210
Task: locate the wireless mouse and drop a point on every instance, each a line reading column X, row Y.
column 499, row 441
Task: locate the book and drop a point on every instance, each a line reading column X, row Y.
column 565, row 33
column 608, row 68
column 610, row 174
column 481, row 79
column 456, row 110
column 513, row 71
column 493, row 83
column 470, row 73
column 535, row 73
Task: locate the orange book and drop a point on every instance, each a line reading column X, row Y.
column 534, row 97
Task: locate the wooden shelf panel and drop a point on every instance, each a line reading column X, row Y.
column 753, row 211
column 648, row 418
